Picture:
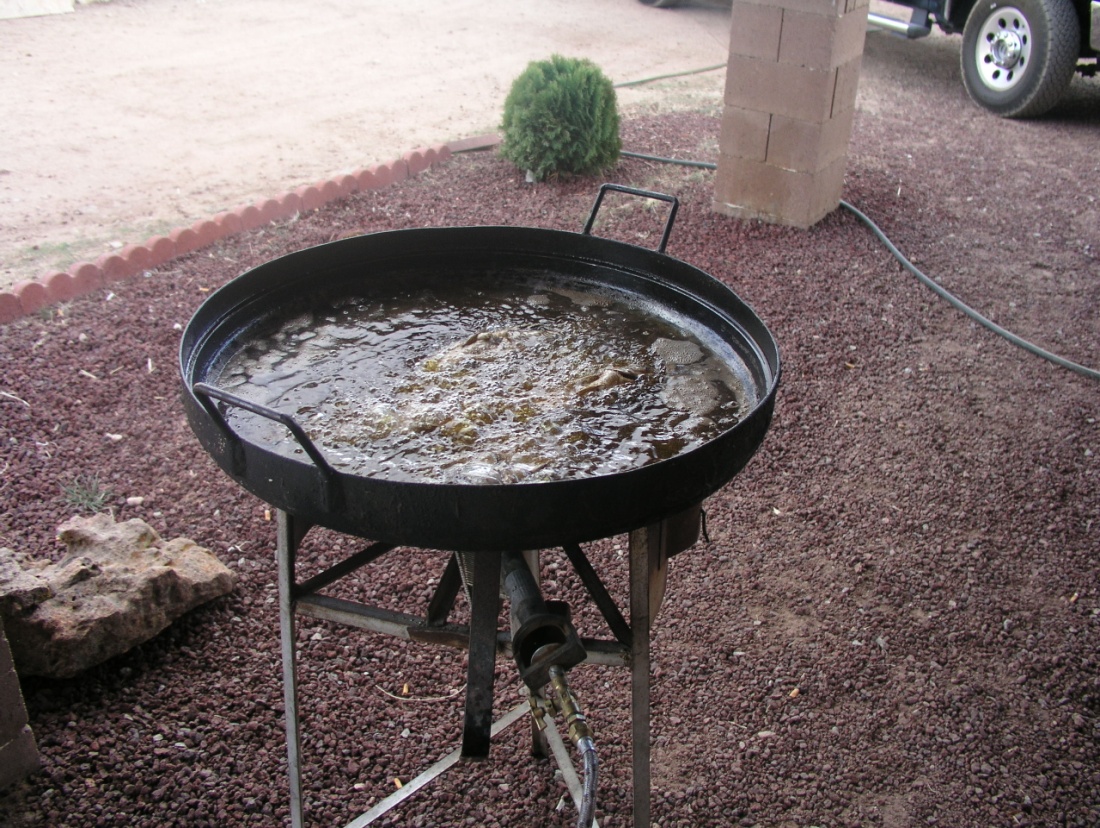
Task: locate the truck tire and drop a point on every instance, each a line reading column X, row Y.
column 1018, row 56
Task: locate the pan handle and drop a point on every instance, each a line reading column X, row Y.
column 672, row 200
column 205, row 392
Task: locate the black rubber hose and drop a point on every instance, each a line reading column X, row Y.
column 944, row 294
column 959, row 305
column 642, row 81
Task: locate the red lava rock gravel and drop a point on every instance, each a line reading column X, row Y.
column 895, row 621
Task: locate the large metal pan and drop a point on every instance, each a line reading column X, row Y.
column 473, row 517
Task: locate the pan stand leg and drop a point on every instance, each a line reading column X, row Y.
column 290, row 533
column 484, row 609
column 540, row 746
column 644, row 555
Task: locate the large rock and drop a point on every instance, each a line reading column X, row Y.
column 18, row 749
column 119, row 585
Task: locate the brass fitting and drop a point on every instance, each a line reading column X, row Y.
column 539, row 706
column 567, row 705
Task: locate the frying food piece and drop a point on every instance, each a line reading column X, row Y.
column 607, row 378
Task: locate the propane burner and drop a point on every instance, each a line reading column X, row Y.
column 313, row 379
column 542, row 633
column 543, row 643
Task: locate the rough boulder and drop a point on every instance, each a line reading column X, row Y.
column 118, row 585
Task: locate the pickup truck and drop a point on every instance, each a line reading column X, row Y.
column 1018, row 56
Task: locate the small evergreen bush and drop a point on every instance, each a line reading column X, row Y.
column 561, row 118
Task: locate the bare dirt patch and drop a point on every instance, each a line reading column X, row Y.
column 130, row 118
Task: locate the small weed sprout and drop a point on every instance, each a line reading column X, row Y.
column 85, row 492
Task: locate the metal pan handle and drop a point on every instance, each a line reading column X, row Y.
column 672, row 200
column 206, row 392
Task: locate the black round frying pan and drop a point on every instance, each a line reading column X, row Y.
column 459, row 516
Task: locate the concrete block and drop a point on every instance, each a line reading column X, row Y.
column 789, row 108
column 366, row 179
column 289, row 205
column 780, row 88
column 184, row 239
column 744, row 133
column 330, row 191
column 138, row 258
column 250, row 217
column 753, row 190
column 476, row 143
column 805, row 146
column 10, row 307
column 207, row 232
column 348, row 184
column 830, row 187
column 756, row 31
column 114, row 268
column 269, row 210
column 821, row 42
column 416, row 160
column 161, row 250
column 381, row 175
column 61, row 287
column 310, row 196
column 18, row 751
column 87, row 276
column 847, row 84
column 33, row 295
column 229, row 222
column 822, row 8
column 400, row 170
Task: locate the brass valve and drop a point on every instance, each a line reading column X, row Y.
column 567, row 705
column 539, row 706
column 563, row 701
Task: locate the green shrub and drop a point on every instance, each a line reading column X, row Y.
column 561, row 118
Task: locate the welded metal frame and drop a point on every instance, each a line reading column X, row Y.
column 649, row 548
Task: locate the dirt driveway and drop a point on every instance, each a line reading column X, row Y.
column 129, row 118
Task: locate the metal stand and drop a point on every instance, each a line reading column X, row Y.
column 650, row 548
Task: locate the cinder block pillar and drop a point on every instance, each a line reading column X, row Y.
column 790, row 99
column 18, row 751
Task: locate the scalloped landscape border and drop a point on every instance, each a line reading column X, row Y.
column 30, row 296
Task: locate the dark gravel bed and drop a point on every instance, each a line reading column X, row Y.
column 896, row 618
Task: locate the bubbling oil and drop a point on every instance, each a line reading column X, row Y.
column 490, row 386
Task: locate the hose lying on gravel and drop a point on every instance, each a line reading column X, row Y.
column 958, row 304
column 944, row 294
column 641, row 81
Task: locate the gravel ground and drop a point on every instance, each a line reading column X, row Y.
column 895, row 621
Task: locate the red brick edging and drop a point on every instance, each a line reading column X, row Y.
column 28, row 296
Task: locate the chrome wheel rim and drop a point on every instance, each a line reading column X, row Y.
column 1003, row 50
